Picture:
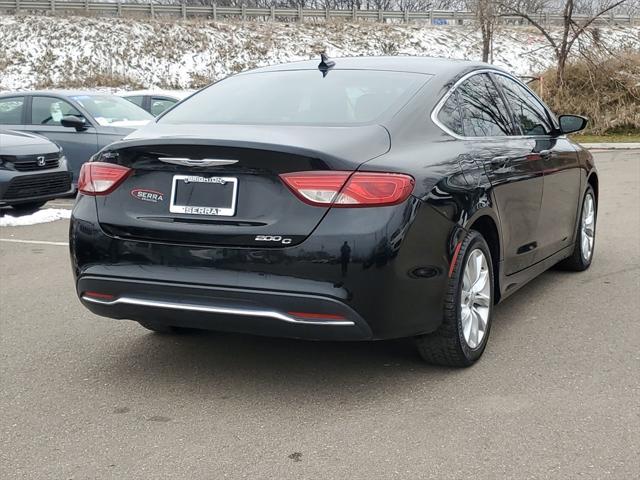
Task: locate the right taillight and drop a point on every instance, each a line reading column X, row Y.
column 99, row 178
column 347, row 189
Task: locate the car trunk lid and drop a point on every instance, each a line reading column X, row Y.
column 220, row 185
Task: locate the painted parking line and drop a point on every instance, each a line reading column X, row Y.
column 68, row 206
column 34, row 242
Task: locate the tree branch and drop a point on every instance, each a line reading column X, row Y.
column 582, row 28
column 513, row 11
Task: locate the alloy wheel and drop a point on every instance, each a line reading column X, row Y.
column 587, row 230
column 475, row 298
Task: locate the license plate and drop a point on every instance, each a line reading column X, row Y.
column 196, row 195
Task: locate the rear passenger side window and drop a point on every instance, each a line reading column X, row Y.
column 530, row 115
column 160, row 104
column 483, row 111
column 449, row 114
column 136, row 100
column 11, row 110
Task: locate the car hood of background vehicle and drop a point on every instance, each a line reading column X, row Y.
column 358, row 143
column 116, row 131
column 12, row 139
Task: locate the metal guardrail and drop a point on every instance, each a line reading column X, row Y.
column 150, row 9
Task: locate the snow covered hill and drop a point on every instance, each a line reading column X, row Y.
column 39, row 51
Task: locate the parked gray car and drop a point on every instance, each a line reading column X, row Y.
column 80, row 122
column 32, row 171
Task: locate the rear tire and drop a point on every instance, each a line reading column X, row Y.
column 585, row 241
column 28, row 207
column 468, row 307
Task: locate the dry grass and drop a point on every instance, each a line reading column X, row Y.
column 605, row 91
column 98, row 80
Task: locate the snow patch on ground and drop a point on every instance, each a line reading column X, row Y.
column 45, row 215
column 40, row 51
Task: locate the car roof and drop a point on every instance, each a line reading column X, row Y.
column 177, row 94
column 425, row 65
column 59, row 93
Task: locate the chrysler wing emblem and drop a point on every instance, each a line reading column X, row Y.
column 189, row 162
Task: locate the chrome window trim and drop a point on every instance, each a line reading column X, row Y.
column 436, row 110
column 193, row 307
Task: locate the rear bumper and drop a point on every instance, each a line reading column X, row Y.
column 260, row 312
column 391, row 285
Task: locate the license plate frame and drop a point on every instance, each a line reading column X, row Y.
column 201, row 209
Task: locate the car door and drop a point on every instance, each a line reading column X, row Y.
column 44, row 119
column 560, row 166
column 12, row 111
column 515, row 175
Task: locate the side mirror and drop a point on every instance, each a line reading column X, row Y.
column 572, row 123
column 71, row 121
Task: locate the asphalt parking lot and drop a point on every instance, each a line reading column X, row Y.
column 556, row 395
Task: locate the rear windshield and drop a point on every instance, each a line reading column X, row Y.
column 342, row 97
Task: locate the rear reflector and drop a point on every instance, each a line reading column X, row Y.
column 101, row 296
column 347, row 189
column 99, row 178
column 317, row 316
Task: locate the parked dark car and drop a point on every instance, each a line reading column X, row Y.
column 32, row 171
column 373, row 198
column 155, row 102
column 81, row 122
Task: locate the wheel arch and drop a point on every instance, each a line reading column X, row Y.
column 487, row 226
column 593, row 180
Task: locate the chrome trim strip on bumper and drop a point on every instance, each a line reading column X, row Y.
column 192, row 307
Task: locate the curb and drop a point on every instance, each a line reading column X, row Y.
column 611, row 146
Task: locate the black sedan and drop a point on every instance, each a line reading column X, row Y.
column 32, row 171
column 361, row 199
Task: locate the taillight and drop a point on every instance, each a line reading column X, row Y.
column 347, row 189
column 99, row 178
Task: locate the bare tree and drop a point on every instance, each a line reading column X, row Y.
column 486, row 12
column 572, row 29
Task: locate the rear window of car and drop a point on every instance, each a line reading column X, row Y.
column 342, row 97
column 484, row 114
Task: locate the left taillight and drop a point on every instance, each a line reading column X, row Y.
column 99, row 178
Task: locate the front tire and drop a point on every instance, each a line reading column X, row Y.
column 585, row 241
column 468, row 307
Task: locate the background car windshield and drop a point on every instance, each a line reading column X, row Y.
column 299, row 97
column 113, row 111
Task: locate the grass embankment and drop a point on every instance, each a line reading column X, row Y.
column 606, row 91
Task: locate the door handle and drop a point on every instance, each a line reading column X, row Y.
column 545, row 154
column 500, row 161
